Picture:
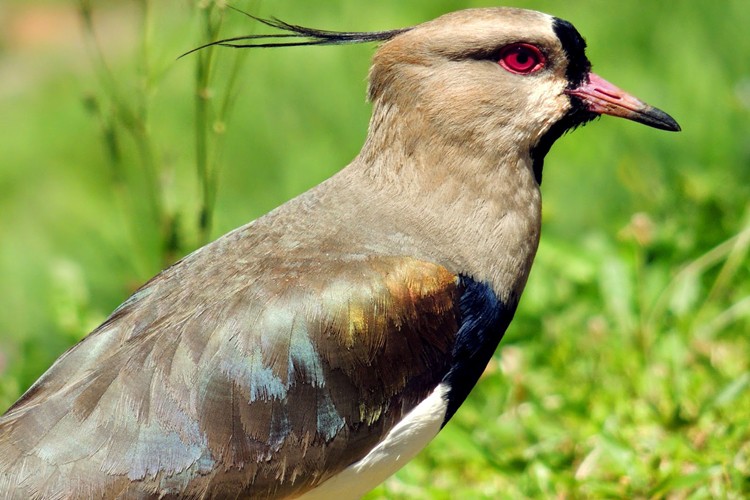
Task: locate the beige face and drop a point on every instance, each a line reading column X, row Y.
column 448, row 71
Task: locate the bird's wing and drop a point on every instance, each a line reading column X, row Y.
column 280, row 383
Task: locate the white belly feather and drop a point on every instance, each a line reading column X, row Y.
column 399, row 446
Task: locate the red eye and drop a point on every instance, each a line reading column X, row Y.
column 521, row 58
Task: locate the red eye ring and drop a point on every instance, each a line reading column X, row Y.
column 521, row 58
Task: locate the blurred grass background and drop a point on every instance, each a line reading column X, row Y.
column 626, row 372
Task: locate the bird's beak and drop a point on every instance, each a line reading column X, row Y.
column 603, row 98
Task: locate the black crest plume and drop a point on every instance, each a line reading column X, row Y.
column 296, row 36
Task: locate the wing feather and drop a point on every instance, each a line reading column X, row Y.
column 290, row 380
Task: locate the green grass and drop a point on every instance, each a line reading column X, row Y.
column 627, row 370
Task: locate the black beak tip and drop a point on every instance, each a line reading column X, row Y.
column 659, row 119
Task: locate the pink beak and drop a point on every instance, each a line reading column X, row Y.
column 603, row 98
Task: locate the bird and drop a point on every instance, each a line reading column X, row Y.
column 313, row 352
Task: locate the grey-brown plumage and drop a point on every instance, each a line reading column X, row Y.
column 298, row 351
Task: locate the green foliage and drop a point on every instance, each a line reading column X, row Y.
column 626, row 371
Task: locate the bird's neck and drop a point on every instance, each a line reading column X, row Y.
column 473, row 202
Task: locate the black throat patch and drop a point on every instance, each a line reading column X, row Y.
column 577, row 73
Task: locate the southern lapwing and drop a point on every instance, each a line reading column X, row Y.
column 316, row 350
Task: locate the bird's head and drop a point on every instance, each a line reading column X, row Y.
column 487, row 81
column 499, row 77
